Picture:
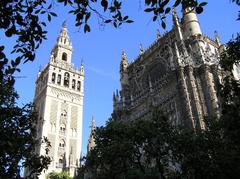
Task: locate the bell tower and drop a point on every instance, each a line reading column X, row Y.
column 62, row 51
column 59, row 101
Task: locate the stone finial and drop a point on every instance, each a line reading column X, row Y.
column 124, row 62
column 82, row 62
column 114, row 97
column 141, row 49
column 64, row 24
column 158, row 34
column 217, row 38
column 124, row 56
column 175, row 17
column 93, row 124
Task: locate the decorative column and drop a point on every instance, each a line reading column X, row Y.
column 186, row 107
column 209, row 81
column 196, row 100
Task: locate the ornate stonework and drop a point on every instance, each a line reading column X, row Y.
column 178, row 73
column 59, row 101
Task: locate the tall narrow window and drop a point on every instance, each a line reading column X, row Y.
column 53, row 77
column 62, row 128
column 59, row 79
column 73, row 83
column 79, row 86
column 64, row 56
column 66, row 79
column 62, row 143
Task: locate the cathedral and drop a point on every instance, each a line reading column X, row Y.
column 179, row 73
column 59, row 102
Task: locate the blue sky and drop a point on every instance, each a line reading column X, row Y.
column 101, row 51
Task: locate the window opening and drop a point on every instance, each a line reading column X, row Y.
column 66, row 79
column 64, row 56
column 73, row 83
column 79, row 86
column 59, row 80
column 53, row 77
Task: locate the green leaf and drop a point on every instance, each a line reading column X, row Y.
column 104, row 4
column 87, row 16
column 203, row 4
column 129, row 21
column 154, row 18
column 177, row 2
column 125, row 18
column 108, row 21
column 37, row 11
column 115, row 24
column 167, row 10
column 44, row 24
column 199, row 9
column 53, row 14
column 149, row 9
column 49, row 17
column 163, row 25
column 86, row 28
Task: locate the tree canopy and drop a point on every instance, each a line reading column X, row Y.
column 61, row 175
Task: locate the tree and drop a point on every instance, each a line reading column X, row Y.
column 61, row 175
column 18, row 135
column 139, row 149
column 218, row 146
column 24, row 20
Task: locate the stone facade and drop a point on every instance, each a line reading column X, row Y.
column 59, row 102
column 179, row 73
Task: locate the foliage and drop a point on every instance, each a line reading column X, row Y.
column 25, row 20
column 61, row 175
column 139, row 149
column 18, row 135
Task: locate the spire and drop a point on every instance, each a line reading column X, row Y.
column 217, row 38
column 63, row 38
column 91, row 142
column 141, row 49
column 81, row 66
column 114, row 97
column 158, row 34
column 64, row 24
column 175, row 17
column 62, row 51
column 177, row 54
column 124, row 62
column 93, row 127
column 176, row 24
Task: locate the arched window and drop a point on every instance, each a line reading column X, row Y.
column 79, row 86
column 66, row 79
column 59, row 79
column 60, row 161
column 73, row 83
column 62, row 143
column 53, row 77
column 64, row 56
column 62, row 128
column 64, row 113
